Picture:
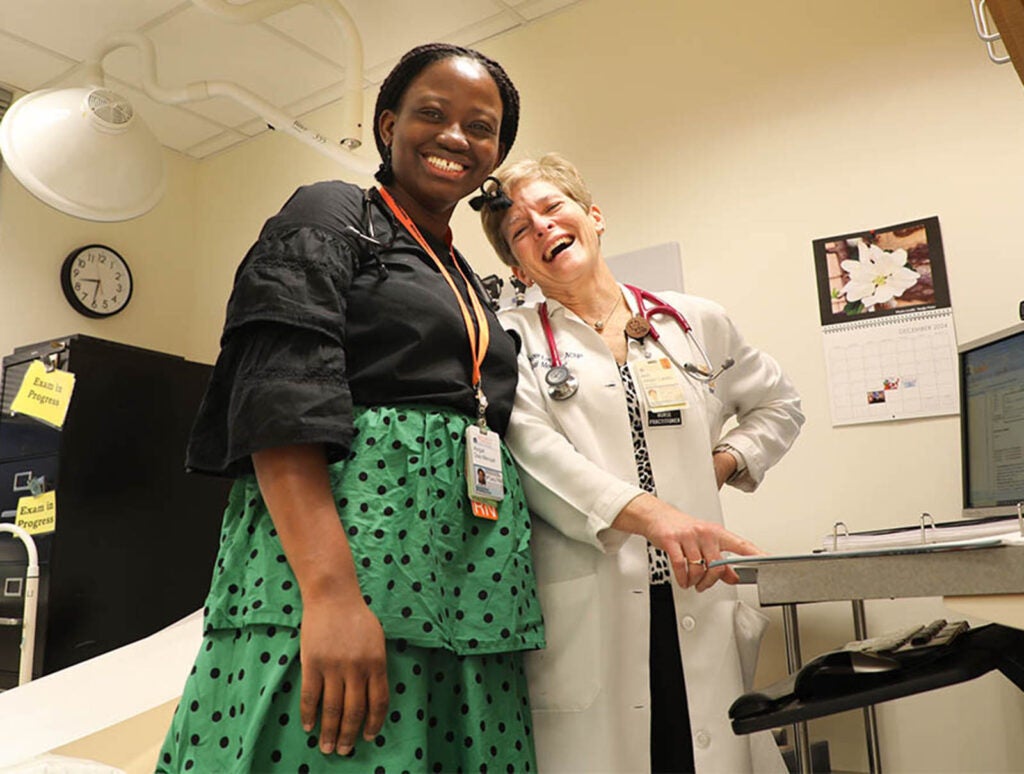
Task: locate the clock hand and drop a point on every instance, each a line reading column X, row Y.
column 95, row 289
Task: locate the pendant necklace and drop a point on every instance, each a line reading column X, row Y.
column 598, row 325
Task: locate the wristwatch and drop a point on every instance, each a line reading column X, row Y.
column 741, row 463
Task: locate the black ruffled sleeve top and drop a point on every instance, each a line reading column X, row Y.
column 314, row 327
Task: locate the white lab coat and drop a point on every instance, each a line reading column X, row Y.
column 590, row 686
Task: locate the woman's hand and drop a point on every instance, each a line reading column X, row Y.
column 691, row 544
column 344, row 676
column 344, row 672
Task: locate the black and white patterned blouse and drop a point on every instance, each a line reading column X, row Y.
column 658, row 563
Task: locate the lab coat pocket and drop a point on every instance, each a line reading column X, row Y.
column 565, row 675
column 749, row 626
column 716, row 413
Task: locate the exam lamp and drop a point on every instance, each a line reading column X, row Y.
column 86, row 152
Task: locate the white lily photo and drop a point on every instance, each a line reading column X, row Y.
column 878, row 276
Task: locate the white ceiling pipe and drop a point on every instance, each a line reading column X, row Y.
column 200, row 90
column 352, row 105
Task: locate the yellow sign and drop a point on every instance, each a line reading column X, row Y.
column 44, row 394
column 37, row 514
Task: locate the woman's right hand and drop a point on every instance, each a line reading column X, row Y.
column 344, row 676
column 344, row 672
column 691, row 544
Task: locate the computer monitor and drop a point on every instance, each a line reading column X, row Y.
column 992, row 423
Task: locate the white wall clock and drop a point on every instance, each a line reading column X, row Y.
column 96, row 281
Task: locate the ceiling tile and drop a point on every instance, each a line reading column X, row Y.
column 173, row 126
column 483, row 29
column 534, row 9
column 72, row 77
column 310, row 27
column 195, row 46
column 73, row 27
column 252, row 127
column 216, row 144
column 26, row 67
column 383, row 39
column 318, row 99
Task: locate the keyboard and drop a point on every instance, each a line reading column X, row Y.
column 932, row 635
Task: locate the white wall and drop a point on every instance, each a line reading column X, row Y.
column 742, row 131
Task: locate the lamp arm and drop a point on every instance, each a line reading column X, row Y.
column 352, row 106
column 28, row 620
column 200, row 90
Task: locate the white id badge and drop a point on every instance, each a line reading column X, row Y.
column 483, row 464
column 660, row 383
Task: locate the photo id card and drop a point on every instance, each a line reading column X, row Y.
column 660, row 383
column 483, row 464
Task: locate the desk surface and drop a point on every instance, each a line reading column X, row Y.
column 991, row 570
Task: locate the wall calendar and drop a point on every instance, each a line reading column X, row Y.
column 887, row 324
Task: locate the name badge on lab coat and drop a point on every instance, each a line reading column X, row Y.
column 661, row 387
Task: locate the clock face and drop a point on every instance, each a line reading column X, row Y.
column 96, row 281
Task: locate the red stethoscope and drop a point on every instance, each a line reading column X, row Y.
column 563, row 384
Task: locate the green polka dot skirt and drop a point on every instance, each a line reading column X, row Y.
column 431, row 571
column 454, row 593
column 446, row 713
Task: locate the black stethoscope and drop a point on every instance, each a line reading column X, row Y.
column 563, row 384
column 373, row 246
column 368, row 237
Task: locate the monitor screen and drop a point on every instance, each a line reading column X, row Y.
column 992, row 423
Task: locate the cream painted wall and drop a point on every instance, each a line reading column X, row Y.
column 239, row 190
column 742, row 131
column 159, row 248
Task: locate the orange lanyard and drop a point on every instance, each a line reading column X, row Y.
column 478, row 343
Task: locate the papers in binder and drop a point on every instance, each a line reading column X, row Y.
column 919, row 548
column 925, row 533
column 925, row 538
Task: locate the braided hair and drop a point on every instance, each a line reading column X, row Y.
column 411, row 65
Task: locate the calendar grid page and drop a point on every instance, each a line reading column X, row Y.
column 892, row 368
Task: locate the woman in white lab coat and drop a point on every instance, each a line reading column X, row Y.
column 614, row 473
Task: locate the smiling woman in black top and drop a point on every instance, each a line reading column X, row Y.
column 356, row 595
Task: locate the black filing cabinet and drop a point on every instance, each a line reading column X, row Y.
column 135, row 535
